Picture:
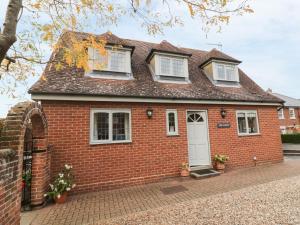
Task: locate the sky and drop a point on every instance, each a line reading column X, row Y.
column 267, row 42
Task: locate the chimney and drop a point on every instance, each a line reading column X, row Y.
column 269, row 90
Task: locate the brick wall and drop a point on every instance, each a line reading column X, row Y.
column 10, row 184
column 152, row 154
column 287, row 122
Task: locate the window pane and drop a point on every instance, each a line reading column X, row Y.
column 221, row 72
column 252, row 123
column 120, row 126
column 101, row 130
column 280, row 114
column 230, row 73
column 292, row 113
column 165, row 65
column 171, row 118
column 100, row 61
column 178, row 67
column 242, row 123
column 117, row 61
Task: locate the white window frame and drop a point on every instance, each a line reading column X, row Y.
column 247, row 125
column 281, row 114
column 93, row 60
column 176, row 122
column 216, row 74
column 172, row 59
column 110, row 126
column 293, row 116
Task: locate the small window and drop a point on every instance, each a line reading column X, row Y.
column 292, row 113
column 172, row 66
column 110, row 126
column 112, row 60
column 247, row 122
column 281, row 114
column 172, row 122
column 226, row 72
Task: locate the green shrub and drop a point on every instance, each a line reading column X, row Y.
column 291, row 138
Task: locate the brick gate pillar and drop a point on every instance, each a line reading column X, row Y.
column 39, row 177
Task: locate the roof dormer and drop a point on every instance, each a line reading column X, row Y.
column 168, row 63
column 220, row 68
column 114, row 63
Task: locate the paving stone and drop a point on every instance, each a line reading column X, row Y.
column 122, row 202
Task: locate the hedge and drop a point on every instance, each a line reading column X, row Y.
column 291, row 138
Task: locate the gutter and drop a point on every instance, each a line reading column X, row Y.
column 97, row 98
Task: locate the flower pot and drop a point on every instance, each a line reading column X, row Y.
column 220, row 167
column 185, row 173
column 62, row 199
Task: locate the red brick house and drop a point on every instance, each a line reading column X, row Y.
column 289, row 115
column 150, row 108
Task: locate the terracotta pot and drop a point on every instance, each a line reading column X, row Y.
column 220, row 166
column 62, row 199
column 185, row 173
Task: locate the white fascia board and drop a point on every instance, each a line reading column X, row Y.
column 38, row 97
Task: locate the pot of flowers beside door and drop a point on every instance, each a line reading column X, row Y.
column 62, row 185
column 220, row 162
column 184, row 169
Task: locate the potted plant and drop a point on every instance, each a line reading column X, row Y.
column 62, row 185
column 220, row 161
column 185, row 170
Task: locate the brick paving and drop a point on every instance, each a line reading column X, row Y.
column 94, row 207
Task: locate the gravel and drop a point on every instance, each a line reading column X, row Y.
column 277, row 202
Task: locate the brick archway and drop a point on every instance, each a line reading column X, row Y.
column 24, row 116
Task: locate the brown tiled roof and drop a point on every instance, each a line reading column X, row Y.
column 166, row 47
column 71, row 81
column 217, row 55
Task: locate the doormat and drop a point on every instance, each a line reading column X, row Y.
column 204, row 171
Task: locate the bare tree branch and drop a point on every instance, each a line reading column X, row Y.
column 8, row 36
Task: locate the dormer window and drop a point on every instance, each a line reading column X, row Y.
column 221, row 69
column 222, row 73
column 115, row 63
column 225, row 72
column 169, row 68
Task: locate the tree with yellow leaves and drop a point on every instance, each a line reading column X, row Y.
column 41, row 23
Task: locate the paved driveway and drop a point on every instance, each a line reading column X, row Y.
column 98, row 207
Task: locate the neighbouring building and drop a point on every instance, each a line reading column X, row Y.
column 151, row 107
column 289, row 115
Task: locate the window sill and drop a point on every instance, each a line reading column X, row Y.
column 249, row 135
column 173, row 135
column 109, row 142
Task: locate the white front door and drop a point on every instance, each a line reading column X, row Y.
column 199, row 154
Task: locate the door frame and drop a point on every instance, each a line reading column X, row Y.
column 207, row 126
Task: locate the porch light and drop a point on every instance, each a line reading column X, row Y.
column 223, row 113
column 149, row 113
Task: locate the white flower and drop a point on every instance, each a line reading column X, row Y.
column 51, row 186
column 58, row 196
column 45, row 195
column 68, row 189
column 68, row 167
column 74, row 185
column 61, row 175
